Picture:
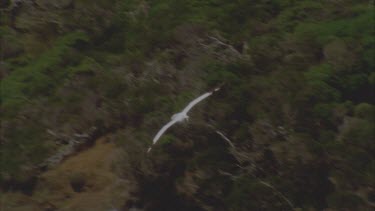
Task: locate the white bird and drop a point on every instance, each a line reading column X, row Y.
column 179, row 117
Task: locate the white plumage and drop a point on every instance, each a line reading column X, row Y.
column 179, row 117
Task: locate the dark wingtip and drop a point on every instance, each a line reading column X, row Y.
column 218, row 87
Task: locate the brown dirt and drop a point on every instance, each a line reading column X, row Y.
column 102, row 189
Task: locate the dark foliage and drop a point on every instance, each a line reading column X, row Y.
column 297, row 100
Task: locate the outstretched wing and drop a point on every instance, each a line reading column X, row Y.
column 161, row 131
column 186, row 109
column 196, row 101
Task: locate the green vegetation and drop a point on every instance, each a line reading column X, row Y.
column 297, row 100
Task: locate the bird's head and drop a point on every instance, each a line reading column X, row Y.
column 218, row 87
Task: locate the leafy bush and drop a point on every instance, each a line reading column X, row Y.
column 365, row 111
column 248, row 194
column 40, row 76
column 344, row 200
column 77, row 181
column 357, row 27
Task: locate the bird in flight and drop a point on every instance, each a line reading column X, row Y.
column 182, row 116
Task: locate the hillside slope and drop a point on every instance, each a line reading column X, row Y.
column 101, row 188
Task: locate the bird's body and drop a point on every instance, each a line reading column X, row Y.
column 181, row 116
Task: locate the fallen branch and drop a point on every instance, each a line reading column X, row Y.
column 249, row 169
column 230, row 47
column 278, row 193
column 225, row 138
